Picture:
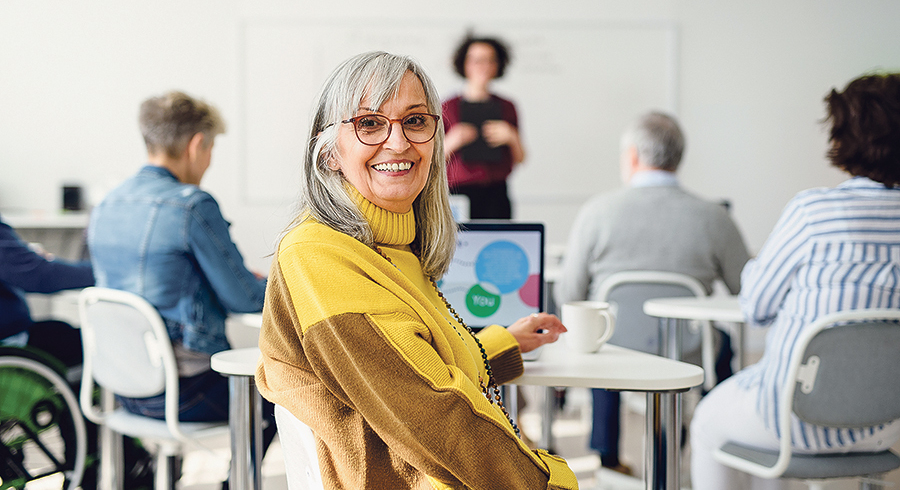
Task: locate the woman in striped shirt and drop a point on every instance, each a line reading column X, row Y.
column 832, row 249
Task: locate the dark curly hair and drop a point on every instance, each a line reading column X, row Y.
column 865, row 128
column 502, row 52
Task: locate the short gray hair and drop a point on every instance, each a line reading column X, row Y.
column 323, row 195
column 169, row 121
column 658, row 140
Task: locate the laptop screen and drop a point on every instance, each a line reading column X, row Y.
column 497, row 273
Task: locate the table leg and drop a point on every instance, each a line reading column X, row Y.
column 546, row 441
column 511, row 401
column 662, row 458
column 244, row 420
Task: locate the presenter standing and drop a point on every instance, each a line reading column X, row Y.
column 482, row 145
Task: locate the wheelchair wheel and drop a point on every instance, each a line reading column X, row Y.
column 42, row 433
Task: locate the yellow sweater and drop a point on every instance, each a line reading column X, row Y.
column 365, row 353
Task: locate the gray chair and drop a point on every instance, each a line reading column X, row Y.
column 627, row 291
column 849, row 374
column 299, row 447
column 127, row 352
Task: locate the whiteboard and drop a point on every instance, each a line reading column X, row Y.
column 572, row 106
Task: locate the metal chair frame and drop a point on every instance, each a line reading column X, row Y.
column 806, row 374
column 690, row 284
column 159, row 375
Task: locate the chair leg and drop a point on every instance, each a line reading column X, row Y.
column 168, row 470
column 872, row 482
column 112, row 455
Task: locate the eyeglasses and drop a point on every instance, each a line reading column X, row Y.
column 375, row 129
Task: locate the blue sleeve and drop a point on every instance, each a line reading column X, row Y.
column 236, row 287
column 22, row 268
column 766, row 279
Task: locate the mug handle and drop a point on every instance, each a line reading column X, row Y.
column 610, row 327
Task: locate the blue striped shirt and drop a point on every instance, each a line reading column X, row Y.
column 831, row 250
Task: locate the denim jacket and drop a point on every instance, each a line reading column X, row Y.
column 168, row 242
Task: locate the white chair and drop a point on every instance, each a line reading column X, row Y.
column 127, row 352
column 299, row 447
column 628, row 291
column 849, row 374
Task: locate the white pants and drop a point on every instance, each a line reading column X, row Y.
column 728, row 413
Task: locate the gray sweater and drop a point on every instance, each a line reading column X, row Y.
column 650, row 228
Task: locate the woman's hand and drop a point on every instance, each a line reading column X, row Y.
column 536, row 330
column 460, row 135
column 499, row 133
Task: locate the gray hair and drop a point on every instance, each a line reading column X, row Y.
column 323, row 195
column 169, row 121
column 658, row 140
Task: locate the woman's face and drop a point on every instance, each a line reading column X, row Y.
column 392, row 174
column 481, row 63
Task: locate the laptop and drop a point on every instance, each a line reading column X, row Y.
column 497, row 272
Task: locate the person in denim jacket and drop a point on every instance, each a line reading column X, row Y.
column 160, row 236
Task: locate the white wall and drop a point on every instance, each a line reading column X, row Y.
column 750, row 77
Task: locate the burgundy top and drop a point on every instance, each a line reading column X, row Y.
column 465, row 172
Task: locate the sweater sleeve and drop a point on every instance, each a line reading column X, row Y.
column 381, row 364
column 503, row 353
column 731, row 252
column 575, row 281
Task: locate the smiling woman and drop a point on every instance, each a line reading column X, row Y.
column 357, row 341
column 390, row 173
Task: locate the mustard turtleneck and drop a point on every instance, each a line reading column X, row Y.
column 388, row 227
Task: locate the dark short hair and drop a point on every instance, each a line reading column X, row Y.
column 500, row 49
column 865, row 128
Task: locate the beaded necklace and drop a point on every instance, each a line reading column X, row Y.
column 491, row 385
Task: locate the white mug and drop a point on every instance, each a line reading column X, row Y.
column 589, row 324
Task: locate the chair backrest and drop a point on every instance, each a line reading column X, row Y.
column 850, row 375
column 627, row 291
column 127, row 351
column 845, row 372
column 298, row 443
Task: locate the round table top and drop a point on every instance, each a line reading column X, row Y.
column 611, row 367
column 236, row 362
column 714, row 308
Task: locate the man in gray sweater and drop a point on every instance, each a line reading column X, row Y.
column 651, row 224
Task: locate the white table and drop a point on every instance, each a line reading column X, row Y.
column 713, row 308
column 618, row 368
column 244, row 415
column 59, row 232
